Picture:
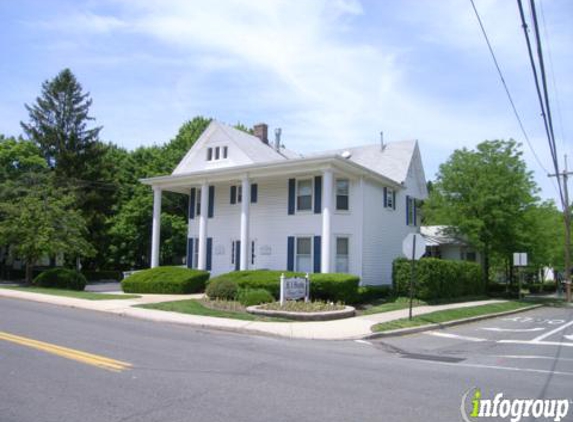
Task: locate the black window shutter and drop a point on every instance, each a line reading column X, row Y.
column 291, row 195
column 254, row 192
column 209, row 253
column 211, row 208
column 290, row 253
column 393, row 199
column 317, row 194
column 237, row 255
column 233, row 194
column 385, row 196
column 192, row 195
column 190, row 244
column 407, row 210
column 415, row 222
column 317, row 253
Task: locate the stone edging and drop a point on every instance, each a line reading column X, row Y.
column 347, row 312
column 428, row 327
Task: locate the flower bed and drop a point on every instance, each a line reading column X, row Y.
column 301, row 311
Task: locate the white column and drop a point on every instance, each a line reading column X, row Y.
column 245, row 202
column 327, row 184
column 156, row 227
column 202, row 253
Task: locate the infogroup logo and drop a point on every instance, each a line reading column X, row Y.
column 512, row 409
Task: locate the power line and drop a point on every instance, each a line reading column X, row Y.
column 553, row 79
column 510, row 98
column 543, row 105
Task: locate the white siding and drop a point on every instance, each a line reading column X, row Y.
column 384, row 230
column 271, row 225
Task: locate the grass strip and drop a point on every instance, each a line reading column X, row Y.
column 71, row 293
column 440, row 317
column 195, row 307
column 401, row 302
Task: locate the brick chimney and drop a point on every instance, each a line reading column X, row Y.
column 261, row 131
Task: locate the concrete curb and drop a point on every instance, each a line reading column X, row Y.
column 347, row 312
column 429, row 327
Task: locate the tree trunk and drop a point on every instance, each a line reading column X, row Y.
column 485, row 268
column 29, row 271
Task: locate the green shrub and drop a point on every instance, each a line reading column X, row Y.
column 535, row 288
column 61, row 278
column 332, row 287
column 250, row 297
column 166, row 280
column 103, row 275
column 438, row 278
column 222, row 288
column 335, row 287
column 371, row 293
column 549, row 287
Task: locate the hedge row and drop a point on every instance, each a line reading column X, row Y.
column 438, row 278
column 61, row 278
column 332, row 286
column 166, row 280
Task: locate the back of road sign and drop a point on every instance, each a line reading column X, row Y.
column 414, row 246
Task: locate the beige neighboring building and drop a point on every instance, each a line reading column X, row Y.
column 443, row 245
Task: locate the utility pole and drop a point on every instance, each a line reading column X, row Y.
column 567, row 220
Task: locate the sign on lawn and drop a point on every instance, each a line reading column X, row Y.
column 414, row 246
column 294, row 288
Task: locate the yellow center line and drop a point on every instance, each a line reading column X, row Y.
column 73, row 354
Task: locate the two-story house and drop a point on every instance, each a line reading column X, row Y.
column 254, row 204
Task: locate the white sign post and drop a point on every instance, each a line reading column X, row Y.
column 413, row 247
column 294, row 288
column 519, row 260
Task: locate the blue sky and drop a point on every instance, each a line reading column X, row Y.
column 329, row 73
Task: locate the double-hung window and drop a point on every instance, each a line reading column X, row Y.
column 411, row 211
column 342, row 194
column 390, row 197
column 304, row 195
column 195, row 263
column 303, row 262
column 342, row 254
column 209, row 154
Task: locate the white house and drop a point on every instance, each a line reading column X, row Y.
column 441, row 243
column 256, row 205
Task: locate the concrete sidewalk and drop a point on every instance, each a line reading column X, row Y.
column 342, row 329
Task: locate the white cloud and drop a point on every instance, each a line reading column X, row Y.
column 310, row 67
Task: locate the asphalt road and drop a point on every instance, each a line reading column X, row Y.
column 184, row 374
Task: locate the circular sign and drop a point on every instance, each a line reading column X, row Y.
column 414, row 246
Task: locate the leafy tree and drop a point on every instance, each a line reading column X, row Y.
column 484, row 194
column 38, row 219
column 18, row 157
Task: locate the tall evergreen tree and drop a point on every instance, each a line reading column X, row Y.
column 59, row 124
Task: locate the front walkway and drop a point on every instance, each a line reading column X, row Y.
column 344, row 329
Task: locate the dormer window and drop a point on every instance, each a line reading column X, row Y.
column 217, row 153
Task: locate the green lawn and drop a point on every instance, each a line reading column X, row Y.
column 440, row 317
column 195, row 307
column 70, row 293
column 404, row 302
